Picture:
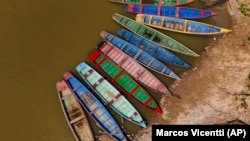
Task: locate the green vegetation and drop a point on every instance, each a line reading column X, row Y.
column 244, row 103
column 244, row 9
column 242, row 100
column 248, row 85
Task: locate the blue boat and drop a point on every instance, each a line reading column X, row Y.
column 169, row 11
column 153, row 49
column 153, row 35
column 180, row 25
column 94, row 108
column 139, row 55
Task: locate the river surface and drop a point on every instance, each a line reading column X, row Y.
column 39, row 41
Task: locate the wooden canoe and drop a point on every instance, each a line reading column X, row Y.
column 109, row 94
column 123, row 81
column 180, row 25
column 169, row 11
column 160, row 53
column 139, row 55
column 94, row 108
column 133, row 68
column 153, row 35
column 156, row 2
column 74, row 113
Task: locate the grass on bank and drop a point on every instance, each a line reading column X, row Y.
column 244, row 9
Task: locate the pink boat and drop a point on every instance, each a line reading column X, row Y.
column 133, row 68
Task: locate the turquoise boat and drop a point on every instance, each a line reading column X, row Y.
column 94, row 108
column 139, row 55
column 153, row 49
column 109, row 94
column 153, row 35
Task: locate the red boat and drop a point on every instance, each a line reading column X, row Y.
column 123, row 81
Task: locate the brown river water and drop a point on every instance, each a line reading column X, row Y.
column 39, row 41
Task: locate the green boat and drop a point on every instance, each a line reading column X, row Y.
column 109, row 94
column 153, row 35
column 123, row 81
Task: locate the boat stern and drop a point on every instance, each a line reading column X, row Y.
column 104, row 34
column 67, row 75
column 117, row 17
column 61, row 85
column 94, row 54
column 81, row 66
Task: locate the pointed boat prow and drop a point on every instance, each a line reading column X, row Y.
column 213, row 13
column 158, row 110
column 224, row 30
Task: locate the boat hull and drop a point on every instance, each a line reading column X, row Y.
column 74, row 113
column 94, row 108
column 153, row 49
column 169, row 11
column 153, row 35
column 133, row 68
column 123, row 81
column 156, row 2
column 180, row 25
column 109, row 94
column 139, row 55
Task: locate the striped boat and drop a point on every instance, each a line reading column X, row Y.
column 153, row 35
column 94, row 108
column 156, row 2
column 74, row 113
column 151, row 48
column 169, row 11
column 133, row 68
column 109, row 94
column 139, row 55
column 123, row 81
column 180, row 25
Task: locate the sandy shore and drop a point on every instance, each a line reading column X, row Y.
column 215, row 89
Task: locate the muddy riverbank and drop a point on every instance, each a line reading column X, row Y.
column 216, row 89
